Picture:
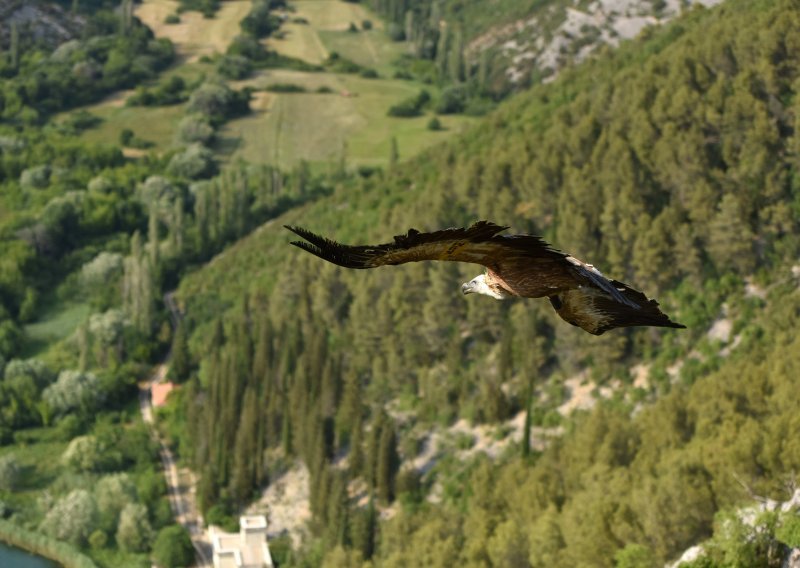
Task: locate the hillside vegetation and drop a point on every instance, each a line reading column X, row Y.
column 433, row 428
column 332, row 113
column 669, row 164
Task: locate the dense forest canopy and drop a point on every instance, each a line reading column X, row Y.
column 669, row 163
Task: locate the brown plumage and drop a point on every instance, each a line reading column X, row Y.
column 516, row 265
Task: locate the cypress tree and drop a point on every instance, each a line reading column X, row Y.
column 388, row 464
column 152, row 238
column 373, row 446
column 356, row 449
column 337, row 511
column 441, row 49
column 181, row 365
column 394, row 154
column 177, row 229
column 456, row 57
column 14, row 48
column 363, row 526
column 262, row 360
column 483, row 71
column 245, row 456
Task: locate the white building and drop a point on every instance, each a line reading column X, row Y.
column 248, row 549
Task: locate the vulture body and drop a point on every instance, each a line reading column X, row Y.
column 516, row 265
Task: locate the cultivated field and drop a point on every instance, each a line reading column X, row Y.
column 285, row 128
column 195, row 35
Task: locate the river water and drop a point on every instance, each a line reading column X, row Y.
column 16, row 558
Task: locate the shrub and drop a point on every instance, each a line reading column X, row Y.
column 72, row 518
column 235, row 67
column 260, row 22
column 789, row 530
column 195, row 129
column 452, row 101
column 101, row 270
column 172, row 19
column 37, row 177
column 173, row 547
column 434, row 124
column 134, row 533
column 369, row 73
column 366, row 25
column 9, row 473
column 285, row 88
column 339, row 64
column 410, row 107
column 247, row 46
column 217, row 101
column 98, row 540
column 478, row 106
column 195, row 162
column 125, row 136
column 73, row 391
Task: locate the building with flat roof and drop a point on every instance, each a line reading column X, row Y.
column 248, row 549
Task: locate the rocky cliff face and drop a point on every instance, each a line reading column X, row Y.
column 537, row 48
column 38, row 22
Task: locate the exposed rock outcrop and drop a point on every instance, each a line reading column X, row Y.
column 40, row 22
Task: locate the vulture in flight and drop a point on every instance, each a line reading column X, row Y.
column 516, row 265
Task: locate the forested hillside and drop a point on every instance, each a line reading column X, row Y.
column 671, row 164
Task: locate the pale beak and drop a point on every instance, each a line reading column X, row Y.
column 466, row 288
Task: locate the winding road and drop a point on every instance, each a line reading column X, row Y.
column 181, row 494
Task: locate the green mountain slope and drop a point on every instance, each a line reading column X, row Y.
column 669, row 164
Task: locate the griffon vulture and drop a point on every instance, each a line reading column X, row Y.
column 516, row 265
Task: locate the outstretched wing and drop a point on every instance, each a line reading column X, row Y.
column 596, row 312
column 526, row 264
column 478, row 244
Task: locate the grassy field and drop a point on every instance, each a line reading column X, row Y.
column 334, row 14
column 38, row 456
column 368, row 48
column 285, row 128
column 327, row 31
column 153, row 124
column 300, row 41
column 54, row 324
